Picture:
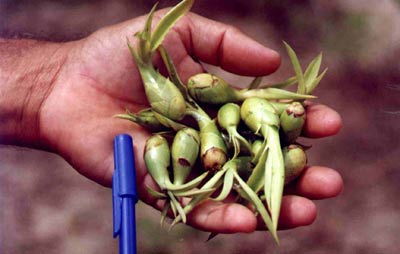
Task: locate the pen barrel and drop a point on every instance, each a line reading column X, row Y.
column 124, row 194
column 127, row 237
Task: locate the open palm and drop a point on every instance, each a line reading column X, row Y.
column 99, row 79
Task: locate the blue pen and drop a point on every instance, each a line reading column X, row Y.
column 124, row 194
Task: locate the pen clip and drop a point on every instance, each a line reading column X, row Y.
column 124, row 177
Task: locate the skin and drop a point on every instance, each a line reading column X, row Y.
column 68, row 92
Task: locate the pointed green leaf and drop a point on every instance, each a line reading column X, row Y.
column 256, row 179
column 127, row 116
column 173, row 208
column 277, row 176
column 213, row 182
column 193, row 193
column 178, row 206
column 255, row 200
column 164, row 212
column 243, row 194
column 141, row 62
column 290, row 81
column 316, row 81
column 268, row 181
column 136, row 57
column 144, row 37
column 168, row 21
column 297, row 69
column 227, row 186
column 147, row 27
column 141, row 47
column 255, row 83
column 173, row 73
column 272, row 93
column 211, row 236
column 187, row 186
column 168, row 122
column 312, row 70
column 156, row 194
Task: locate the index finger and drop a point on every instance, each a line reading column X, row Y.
column 226, row 46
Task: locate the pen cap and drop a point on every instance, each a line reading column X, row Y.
column 125, row 165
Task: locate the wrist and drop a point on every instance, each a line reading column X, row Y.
column 28, row 70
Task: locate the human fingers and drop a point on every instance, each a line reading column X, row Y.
column 319, row 183
column 226, row 46
column 224, row 218
column 296, row 211
column 228, row 218
column 322, row 121
column 315, row 183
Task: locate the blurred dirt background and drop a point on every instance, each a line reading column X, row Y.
column 46, row 207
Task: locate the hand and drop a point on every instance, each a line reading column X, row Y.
column 99, row 79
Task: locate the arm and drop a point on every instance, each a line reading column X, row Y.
column 27, row 70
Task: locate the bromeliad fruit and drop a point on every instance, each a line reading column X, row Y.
column 192, row 159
